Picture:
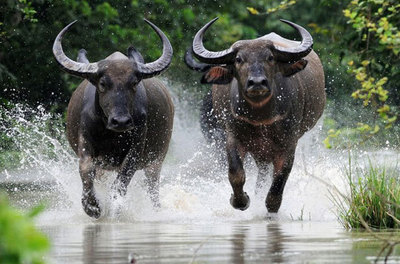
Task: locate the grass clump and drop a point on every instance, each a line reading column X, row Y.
column 374, row 199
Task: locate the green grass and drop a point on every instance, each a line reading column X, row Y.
column 374, row 199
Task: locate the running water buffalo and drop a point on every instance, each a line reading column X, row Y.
column 266, row 94
column 119, row 118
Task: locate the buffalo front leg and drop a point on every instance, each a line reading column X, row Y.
column 130, row 163
column 124, row 177
column 282, row 166
column 87, row 170
column 128, row 169
column 153, row 182
column 239, row 199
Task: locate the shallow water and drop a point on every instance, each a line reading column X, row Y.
column 195, row 223
column 209, row 242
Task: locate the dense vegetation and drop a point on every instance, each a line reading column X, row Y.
column 358, row 41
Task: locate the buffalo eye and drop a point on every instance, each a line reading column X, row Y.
column 133, row 82
column 238, row 60
column 102, row 86
column 270, row 58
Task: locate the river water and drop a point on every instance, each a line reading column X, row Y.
column 195, row 223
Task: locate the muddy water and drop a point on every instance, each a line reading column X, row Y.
column 195, row 223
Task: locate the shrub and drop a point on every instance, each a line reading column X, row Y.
column 20, row 241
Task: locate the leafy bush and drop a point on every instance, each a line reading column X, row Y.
column 375, row 64
column 20, row 241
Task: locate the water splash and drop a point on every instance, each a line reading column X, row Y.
column 194, row 186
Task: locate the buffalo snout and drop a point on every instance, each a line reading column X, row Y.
column 257, row 86
column 120, row 123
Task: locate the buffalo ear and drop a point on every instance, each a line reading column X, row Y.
column 218, row 75
column 135, row 55
column 82, row 56
column 291, row 68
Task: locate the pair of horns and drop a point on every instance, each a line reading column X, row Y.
column 147, row 70
column 213, row 57
column 227, row 56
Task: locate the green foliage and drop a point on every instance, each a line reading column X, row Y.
column 25, row 7
column 377, row 20
column 378, row 25
column 374, row 198
column 342, row 131
column 20, row 241
column 281, row 6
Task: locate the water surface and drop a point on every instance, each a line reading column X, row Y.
column 211, row 242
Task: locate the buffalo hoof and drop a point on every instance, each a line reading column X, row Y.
column 273, row 202
column 91, row 206
column 240, row 203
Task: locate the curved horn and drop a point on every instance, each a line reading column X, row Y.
column 193, row 64
column 76, row 68
column 298, row 52
column 204, row 55
column 151, row 69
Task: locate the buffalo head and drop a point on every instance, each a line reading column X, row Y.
column 255, row 64
column 117, row 78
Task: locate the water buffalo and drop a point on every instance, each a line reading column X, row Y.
column 266, row 93
column 119, row 118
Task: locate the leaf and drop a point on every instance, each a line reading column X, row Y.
column 36, row 210
column 252, row 10
column 365, row 63
column 327, row 143
column 376, row 130
column 392, row 119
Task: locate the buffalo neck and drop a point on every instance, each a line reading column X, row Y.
column 251, row 113
column 98, row 110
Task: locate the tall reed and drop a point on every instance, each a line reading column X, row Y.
column 374, row 198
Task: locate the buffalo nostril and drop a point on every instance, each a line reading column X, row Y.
column 123, row 121
column 261, row 80
column 264, row 82
column 128, row 121
column 114, row 121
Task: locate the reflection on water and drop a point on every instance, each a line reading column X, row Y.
column 230, row 242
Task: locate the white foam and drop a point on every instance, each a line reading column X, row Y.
column 194, row 187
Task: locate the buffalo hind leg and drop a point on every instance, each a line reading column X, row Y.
column 282, row 166
column 239, row 199
column 87, row 170
column 152, row 173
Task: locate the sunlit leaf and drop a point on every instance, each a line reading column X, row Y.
column 252, row 10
